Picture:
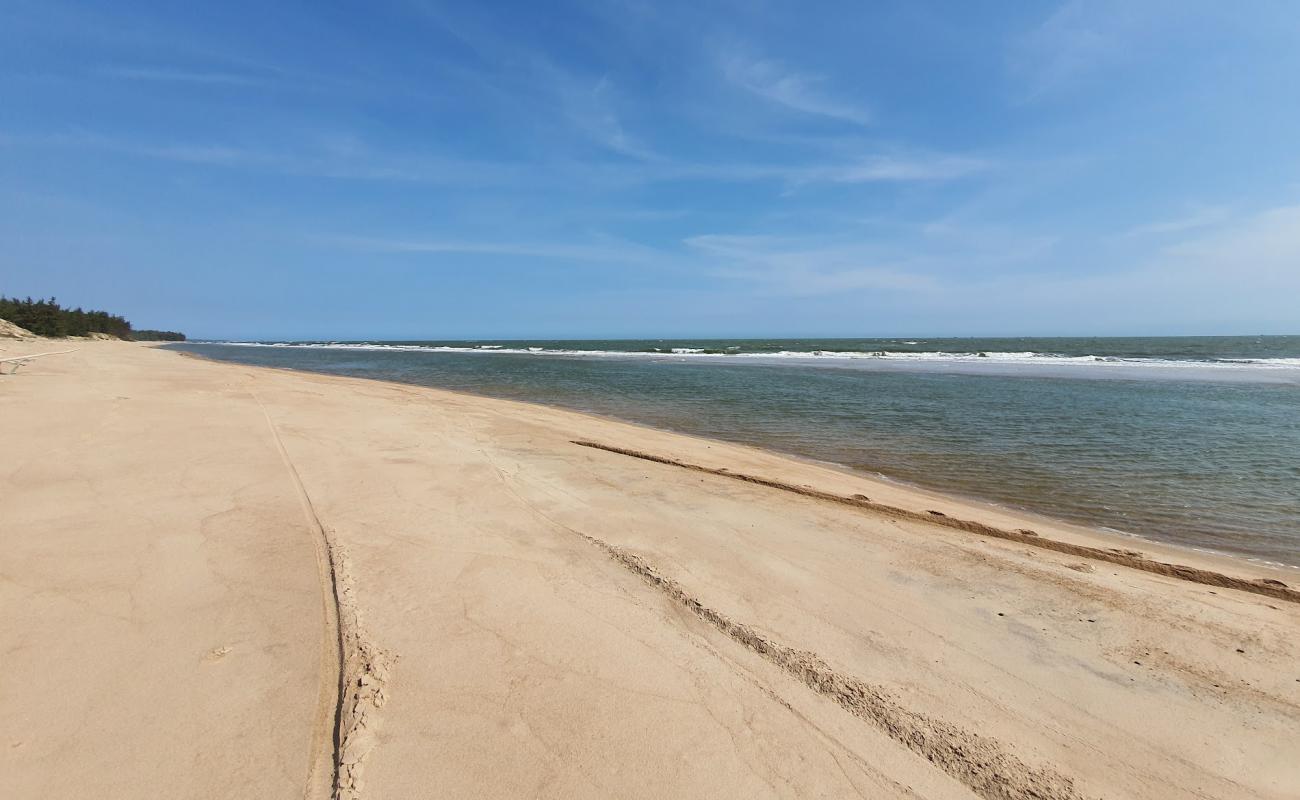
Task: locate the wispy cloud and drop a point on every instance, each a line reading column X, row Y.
column 519, row 75
column 802, row 266
column 1201, row 218
column 1080, row 38
column 1243, row 270
column 885, row 168
column 608, row 251
column 1250, row 253
column 1240, row 278
column 775, row 82
column 590, row 109
column 347, row 157
column 904, row 168
column 171, row 75
column 341, row 157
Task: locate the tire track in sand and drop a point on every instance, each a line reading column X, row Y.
column 979, row 762
column 353, row 670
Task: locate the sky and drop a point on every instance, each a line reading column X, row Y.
column 418, row 169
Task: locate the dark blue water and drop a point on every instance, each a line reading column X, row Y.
column 1188, row 441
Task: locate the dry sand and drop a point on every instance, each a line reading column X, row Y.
column 194, row 552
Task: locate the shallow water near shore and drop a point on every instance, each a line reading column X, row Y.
column 1189, row 441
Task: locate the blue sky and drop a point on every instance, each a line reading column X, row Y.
column 421, row 169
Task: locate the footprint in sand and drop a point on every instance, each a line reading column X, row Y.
column 216, row 653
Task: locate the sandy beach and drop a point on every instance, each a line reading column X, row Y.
column 225, row 581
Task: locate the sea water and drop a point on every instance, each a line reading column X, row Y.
column 1187, row 440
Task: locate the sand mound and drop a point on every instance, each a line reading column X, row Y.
column 8, row 330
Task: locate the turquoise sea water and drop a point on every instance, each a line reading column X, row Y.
column 1188, row 440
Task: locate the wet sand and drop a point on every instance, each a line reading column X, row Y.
column 229, row 581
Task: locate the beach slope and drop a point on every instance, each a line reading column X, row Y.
column 228, row 581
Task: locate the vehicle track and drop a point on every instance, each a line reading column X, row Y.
column 353, row 670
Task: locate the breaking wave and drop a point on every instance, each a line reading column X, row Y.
column 736, row 352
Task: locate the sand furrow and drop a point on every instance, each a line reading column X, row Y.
column 354, row 672
column 979, row 762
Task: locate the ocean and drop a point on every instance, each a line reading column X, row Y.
column 1193, row 441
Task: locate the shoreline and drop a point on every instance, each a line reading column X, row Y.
column 323, row 586
column 1125, row 558
column 1090, row 535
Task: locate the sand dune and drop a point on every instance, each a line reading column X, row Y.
column 8, row 330
column 225, row 581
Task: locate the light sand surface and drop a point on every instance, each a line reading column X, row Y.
column 193, row 552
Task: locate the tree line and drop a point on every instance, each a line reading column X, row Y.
column 48, row 318
column 157, row 336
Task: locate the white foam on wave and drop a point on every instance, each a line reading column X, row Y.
column 936, row 357
column 1272, row 362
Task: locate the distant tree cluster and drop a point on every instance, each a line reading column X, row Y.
column 48, row 318
column 157, row 336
